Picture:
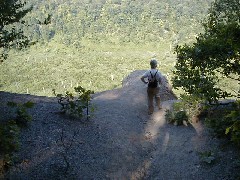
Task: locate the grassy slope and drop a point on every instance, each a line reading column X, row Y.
column 100, row 67
column 97, row 67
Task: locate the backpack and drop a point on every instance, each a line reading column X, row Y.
column 153, row 83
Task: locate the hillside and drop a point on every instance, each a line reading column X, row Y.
column 119, row 142
column 97, row 43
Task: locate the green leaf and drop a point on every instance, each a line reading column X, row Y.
column 59, row 95
column 28, row 104
column 227, row 130
column 11, row 104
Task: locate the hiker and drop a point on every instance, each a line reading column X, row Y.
column 154, row 79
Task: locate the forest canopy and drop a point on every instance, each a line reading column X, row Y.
column 116, row 21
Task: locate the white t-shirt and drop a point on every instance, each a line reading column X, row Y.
column 158, row 76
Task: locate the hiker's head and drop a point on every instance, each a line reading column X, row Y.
column 153, row 63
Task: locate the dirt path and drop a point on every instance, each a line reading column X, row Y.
column 120, row 142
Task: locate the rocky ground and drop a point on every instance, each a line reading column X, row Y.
column 120, row 141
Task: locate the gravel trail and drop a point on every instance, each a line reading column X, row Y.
column 121, row 141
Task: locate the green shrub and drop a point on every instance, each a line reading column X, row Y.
column 9, row 143
column 193, row 105
column 207, row 157
column 9, row 134
column 225, row 121
column 22, row 116
column 75, row 105
column 10, row 130
column 184, row 110
column 176, row 117
column 217, row 121
column 234, row 129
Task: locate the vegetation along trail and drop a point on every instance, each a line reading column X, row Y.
column 121, row 141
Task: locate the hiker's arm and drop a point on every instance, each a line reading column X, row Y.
column 143, row 80
column 160, row 81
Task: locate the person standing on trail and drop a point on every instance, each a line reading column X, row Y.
column 154, row 80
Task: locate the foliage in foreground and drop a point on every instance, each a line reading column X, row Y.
column 207, row 157
column 10, row 130
column 12, row 12
column 22, row 116
column 72, row 105
column 9, row 133
column 176, row 117
column 215, row 56
column 202, row 67
column 234, row 129
column 225, row 121
column 185, row 110
column 12, row 23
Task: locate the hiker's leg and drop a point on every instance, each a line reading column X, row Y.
column 158, row 102
column 150, row 93
column 157, row 97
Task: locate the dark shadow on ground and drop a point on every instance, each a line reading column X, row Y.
column 110, row 145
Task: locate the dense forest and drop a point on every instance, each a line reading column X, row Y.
column 117, row 21
column 97, row 43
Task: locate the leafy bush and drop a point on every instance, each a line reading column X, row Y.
column 9, row 133
column 9, row 142
column 214, row 57
column 234, row 129
column 185, row 110
column 216, row 121
column 207, row 157
column 177, row 117
column 177, row 114
column 72, row 105
column 22, row 116
column 193, row 105
column 225, row 121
